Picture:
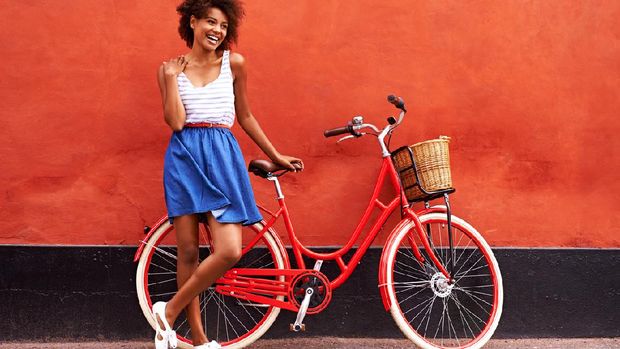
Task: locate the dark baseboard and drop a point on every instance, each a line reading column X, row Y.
column 89, row 292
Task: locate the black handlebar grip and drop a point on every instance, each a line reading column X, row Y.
column 336, row 131
column 397, row 101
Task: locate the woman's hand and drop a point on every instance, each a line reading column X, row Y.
column 289, row 162
column 175, row 66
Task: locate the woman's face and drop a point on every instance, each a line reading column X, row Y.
column 210, row 31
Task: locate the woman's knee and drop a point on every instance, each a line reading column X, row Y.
column 187, row 253
column 230, row 255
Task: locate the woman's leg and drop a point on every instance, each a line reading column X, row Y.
column 186, row 228
column 226, row 253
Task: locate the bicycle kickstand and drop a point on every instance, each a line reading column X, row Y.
column 301, row 314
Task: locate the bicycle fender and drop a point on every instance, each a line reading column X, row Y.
column 383, row 263
column 161, row 221
column 432, row 209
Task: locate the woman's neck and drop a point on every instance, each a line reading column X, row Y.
column 200, row 55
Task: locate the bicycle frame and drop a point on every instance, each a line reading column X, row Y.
column 386, row 209
column 387, row 172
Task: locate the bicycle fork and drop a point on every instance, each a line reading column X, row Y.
column 449, row 217
column 427, row 242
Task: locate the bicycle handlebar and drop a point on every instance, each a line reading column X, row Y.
column 337, row 131
column 397, row 101
column 357, row 124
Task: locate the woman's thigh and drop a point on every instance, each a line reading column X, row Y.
column 226, row 237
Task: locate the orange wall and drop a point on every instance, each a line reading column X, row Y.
column 528, row 90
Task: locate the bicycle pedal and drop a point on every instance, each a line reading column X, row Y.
column 297, row 328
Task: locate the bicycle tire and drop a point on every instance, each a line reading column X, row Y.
column 151, row 288
column 467, row 312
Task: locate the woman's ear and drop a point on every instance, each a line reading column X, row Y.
column 192, row 21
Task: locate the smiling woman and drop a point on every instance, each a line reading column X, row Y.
column 205, row 179
column 191, row 11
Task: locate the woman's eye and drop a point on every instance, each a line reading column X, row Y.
column 224, row 27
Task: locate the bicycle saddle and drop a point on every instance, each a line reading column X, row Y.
column 264, row 168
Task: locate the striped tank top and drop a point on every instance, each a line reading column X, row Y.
column 214, row 102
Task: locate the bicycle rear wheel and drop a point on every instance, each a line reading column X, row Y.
column 230, row 321
column 428, row 309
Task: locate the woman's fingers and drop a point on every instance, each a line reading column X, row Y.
column 180, row 60
column 297, row 166
column 289, row 162
column 297, row 162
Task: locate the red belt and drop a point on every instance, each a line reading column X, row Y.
column 206, row 124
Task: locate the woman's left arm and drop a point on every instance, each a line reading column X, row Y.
column 249, row 123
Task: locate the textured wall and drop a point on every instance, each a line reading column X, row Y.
column 528, row 90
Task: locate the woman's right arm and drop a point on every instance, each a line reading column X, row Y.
column 174, row 112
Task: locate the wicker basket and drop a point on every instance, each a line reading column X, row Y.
column 431, row 161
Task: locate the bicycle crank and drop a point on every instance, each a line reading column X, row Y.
column 298, row 325
column 311, row 292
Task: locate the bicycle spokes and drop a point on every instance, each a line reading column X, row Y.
column 443, row 312
column 225, row 319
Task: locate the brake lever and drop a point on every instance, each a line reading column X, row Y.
column 351, row 136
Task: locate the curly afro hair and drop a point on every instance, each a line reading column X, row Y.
column 233, row 9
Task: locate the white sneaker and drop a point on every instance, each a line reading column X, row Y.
column 210, row 345
column 166, row 337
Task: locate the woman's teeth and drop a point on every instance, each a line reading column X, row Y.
column 212, row 38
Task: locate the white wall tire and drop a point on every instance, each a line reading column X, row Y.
column 399, row 316
column 142, row 280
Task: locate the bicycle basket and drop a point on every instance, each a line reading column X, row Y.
column 424, row 169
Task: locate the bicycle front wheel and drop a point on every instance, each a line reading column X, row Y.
column 230, row 321
column 430, row 310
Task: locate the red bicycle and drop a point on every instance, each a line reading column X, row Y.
column 437, row 276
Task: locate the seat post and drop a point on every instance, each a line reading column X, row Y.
column 275, row 181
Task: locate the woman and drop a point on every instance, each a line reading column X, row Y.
column 205, row 179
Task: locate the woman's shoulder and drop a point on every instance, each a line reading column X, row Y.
column 237, row 64
column 236, row 60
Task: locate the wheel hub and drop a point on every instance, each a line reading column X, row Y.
column 440, row 285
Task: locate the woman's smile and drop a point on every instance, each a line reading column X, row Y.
column 213, row 39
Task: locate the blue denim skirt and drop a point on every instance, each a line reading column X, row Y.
column 204, row 171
